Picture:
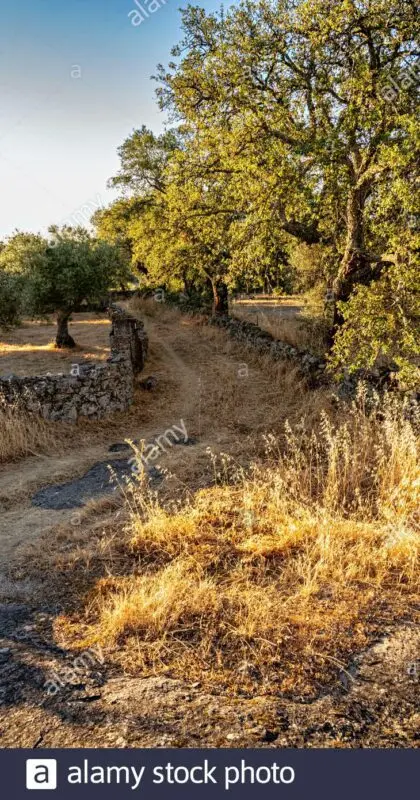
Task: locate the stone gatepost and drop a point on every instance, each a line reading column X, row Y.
column 128, row 338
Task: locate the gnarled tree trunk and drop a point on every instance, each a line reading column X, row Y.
column 355, row 261
column 220, row 298
column 63, row 338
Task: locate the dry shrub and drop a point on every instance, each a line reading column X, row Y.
column 22, row 434
column 271, row 582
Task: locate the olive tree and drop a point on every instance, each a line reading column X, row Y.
column 59, row 272
column 10, row 299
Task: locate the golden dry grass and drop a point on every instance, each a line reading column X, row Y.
column 30, row 351
column 24, row 435
column 269, row 300
column 271, row 579
column 148, row 307
column 274, row 577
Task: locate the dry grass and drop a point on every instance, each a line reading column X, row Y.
column 24, row 435
column 271, row 579
column 30, row 350
column 269, row 300
column 303, row 331
column 148, row 307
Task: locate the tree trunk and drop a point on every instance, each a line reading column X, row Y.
column 188, row 285
column 220, row 298
column 63, row 338
column 354, row 261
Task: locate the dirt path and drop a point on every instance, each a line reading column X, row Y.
column 20, row 521
column 182, row 359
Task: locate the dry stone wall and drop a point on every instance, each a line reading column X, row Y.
column 313, row 368
column 91, row 390
column 310, row 366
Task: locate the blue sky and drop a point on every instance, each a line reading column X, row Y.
column 74, row 82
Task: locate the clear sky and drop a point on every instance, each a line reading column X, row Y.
column 74, row 82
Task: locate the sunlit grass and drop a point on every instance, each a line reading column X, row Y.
column 30, row 349
column 6, row 348
column 273, row 577
column 22, row 434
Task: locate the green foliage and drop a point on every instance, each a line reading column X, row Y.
column 308, row 264
column 113, row 225
column 382, row 324
column 260, row 255
column 73, row 267
column 143, row 159
column 20, row 251
column 40, row 275
column 174, row 225
column 292, row 166
column 290, row 101
column 17, row 257
column 382, row 318
column 10, row 299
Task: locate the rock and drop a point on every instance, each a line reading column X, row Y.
column 149, row 383
column 103, row 478
column 128, row 338
column 269, row 736
column 72, row 414
column 263, row 342
column 118, row 446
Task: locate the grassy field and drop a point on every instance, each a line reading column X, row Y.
column 272, row 579
column 30, row 350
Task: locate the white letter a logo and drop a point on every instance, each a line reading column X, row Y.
column 41, row 774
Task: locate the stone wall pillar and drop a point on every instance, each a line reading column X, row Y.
column 128, row 338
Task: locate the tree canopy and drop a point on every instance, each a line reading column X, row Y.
column 58, row 273
column 297, row 127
